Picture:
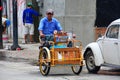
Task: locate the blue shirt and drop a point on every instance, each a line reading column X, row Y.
column 28, row 15
column 48, row 27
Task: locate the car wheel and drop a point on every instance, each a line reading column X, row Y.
column 90, row 62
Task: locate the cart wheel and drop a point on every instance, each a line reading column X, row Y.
column 76, row 69
column 44, row 65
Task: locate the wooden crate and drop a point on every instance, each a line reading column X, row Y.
column 99, row 31
column 69, row 56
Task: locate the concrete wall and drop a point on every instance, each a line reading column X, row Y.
column 57, row 5
column 80, row 15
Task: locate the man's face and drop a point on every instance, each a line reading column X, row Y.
column 49, row 16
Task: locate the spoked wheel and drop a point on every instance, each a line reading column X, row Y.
column 44, row 64
column 76, row 69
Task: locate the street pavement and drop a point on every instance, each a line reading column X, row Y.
column 20, row 69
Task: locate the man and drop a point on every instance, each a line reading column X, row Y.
column 48, row 25
column 28, row 22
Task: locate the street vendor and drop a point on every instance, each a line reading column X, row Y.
column 49, row 25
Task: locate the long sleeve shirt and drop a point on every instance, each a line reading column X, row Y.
column 28, row 15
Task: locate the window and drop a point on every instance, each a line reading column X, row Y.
column 113, row 31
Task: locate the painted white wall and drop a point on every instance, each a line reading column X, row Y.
column 21, row 7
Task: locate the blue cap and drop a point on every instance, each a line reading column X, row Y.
column 8, row 23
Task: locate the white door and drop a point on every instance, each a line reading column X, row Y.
column 111, row 45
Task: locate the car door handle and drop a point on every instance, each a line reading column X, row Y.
column 116, row 43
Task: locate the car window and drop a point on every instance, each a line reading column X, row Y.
column 113, row 31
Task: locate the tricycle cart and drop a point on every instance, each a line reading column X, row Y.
column 60, row 51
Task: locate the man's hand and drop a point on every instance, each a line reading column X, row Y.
column 55, row 31
column 62, row 31
column 41, row 34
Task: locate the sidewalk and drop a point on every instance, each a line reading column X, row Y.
column 30, row 51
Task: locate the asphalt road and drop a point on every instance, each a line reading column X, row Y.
column 19, row 69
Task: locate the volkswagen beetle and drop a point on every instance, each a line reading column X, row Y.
column 106, row 50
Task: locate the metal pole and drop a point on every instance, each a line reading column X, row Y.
column 1, row 42
column 15, row 26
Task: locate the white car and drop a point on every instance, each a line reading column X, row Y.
column 106, row 50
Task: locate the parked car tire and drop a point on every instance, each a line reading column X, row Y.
column 90, row 62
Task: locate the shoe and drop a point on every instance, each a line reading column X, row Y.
column 24, row 42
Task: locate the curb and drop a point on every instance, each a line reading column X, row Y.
column 30, row 52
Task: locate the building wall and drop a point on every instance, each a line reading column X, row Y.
column 75, row 15
column 21, row 7
column 80, row 15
